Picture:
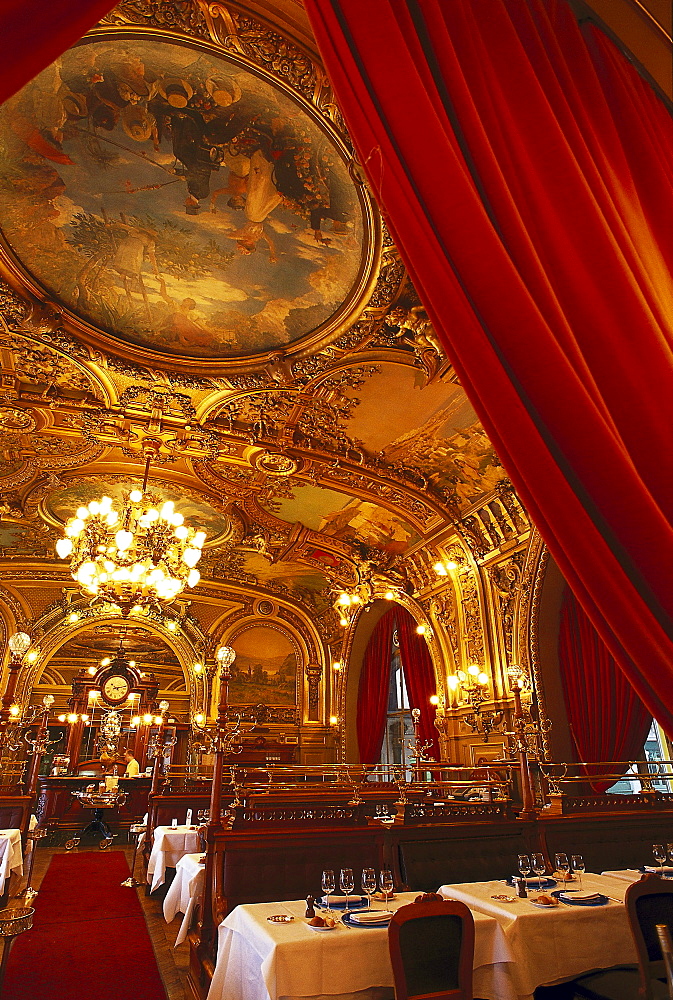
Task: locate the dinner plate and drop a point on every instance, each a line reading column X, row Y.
column 543, row 906
column 356, row 923
column 361, row 905
column 601, row 901
column 314, row 928
column 544, row 883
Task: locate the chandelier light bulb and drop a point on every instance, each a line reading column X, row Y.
column 14, row 711
column 474, row 670
column 63, row 547
column 147, row 718
column 136, row 496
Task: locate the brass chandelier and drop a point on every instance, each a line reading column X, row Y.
column 134, row 555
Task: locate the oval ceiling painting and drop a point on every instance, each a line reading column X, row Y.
column 179, row 202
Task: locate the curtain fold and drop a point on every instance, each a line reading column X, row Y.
column 419, row 677
column 35, row 33
column 525, row 171
column 372, row 707
column 592, row 682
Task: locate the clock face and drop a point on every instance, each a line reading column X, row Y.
column 116, row 688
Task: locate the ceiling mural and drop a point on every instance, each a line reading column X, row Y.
column 432, row 428
column 178, row 201
column 63, row 502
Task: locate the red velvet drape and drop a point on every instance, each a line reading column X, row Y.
column 419, row 677
column 591, row 679
column 526, row 173
column 373, row 689
column 34, row 32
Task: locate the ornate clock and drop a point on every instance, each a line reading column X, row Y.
column 115, row 689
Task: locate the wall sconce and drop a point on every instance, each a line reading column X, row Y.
column 334, row 721
column 336, row 666
column 470, row 687
column 198, row 668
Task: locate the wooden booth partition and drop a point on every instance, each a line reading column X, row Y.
column 608, row 841
column 15, row 813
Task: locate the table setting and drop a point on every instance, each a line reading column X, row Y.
column 585, row 926
column 170, row 844
column 271, row 950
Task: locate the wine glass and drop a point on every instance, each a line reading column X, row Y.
column 562, row 864
column 578, row 865
column 539, row 866
column 387, row 885
column 369, row 884
column 669, row 854
column 524, row 864
column 347, row 883
column 328, row 886
column 659, row 856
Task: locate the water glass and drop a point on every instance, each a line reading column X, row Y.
column 369, row 884
column 561, row 863
column 328, row 886
column 659, row 856
column 347, row 883
column 524, row 865
column 669, row 854
column 387, row 885
column 539, row 866
column 578, row 866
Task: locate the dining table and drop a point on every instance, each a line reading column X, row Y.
column 170, row 843
column 550, row 945
column 185, row 892
column 261, row 960
column 11, row 855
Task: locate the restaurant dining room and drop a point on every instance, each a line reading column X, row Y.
column 336, row 500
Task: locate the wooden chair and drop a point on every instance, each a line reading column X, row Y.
column 432, row 950
column 649, row 902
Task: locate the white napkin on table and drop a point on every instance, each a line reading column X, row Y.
column 657, row 868
column 582, row 897
column 340, row 900
column 372, row 917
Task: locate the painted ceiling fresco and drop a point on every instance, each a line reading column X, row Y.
column 432, row 428
column 341, row 516
column 63, row 502
column 172, row 198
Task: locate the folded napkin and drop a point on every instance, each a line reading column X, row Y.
column 657, row 868
column 581, row 897
column 372, row 917
column 340, row 900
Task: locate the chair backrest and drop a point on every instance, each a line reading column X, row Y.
column 664, row 935
column 649, row 902
column 432, row 950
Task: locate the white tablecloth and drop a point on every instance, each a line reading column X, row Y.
column 257, row 960
column 11, row 855
column 170, row 844
column 625, row 875
column 185, row 892
column 550, row 946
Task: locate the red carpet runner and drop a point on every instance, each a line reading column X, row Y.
column 89, row 939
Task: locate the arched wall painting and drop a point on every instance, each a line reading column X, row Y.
column 178, row 201
column 265, row 668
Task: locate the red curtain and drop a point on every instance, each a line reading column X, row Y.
column 373, row 690
column 419, row 677
column 591, row 679
column 35, row 32
column 526, row 174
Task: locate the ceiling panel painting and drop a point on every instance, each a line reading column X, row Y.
column 347, row 518
column 431, row 428
column 64, row 501
column 178, row 201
